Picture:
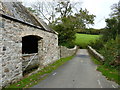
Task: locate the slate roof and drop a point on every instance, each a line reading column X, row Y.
column 18, row 11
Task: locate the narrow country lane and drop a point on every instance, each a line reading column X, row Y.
column 80, row 72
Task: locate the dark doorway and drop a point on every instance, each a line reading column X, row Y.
column 30, row 44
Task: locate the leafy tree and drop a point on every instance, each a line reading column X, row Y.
column 67, row 25
column 113, row 24
column 83, row 18
column 111, row 30
column 66, row 32
column 109, row 44
column 50, row 11
column 66, row 18
column 116, row 10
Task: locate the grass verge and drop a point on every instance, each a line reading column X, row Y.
column 110, row 73
column 41, row 75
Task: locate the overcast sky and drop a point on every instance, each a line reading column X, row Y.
column 100, row 8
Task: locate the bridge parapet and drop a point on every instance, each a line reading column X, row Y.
column 95, row 54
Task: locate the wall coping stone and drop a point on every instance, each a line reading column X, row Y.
column 75, row 47
column 96, row 53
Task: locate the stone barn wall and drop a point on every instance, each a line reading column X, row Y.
column 13, row 61
column 12, row 31
column 11, row 49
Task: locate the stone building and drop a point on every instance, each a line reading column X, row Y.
column 25, row 42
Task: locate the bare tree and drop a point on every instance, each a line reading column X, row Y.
column 52, row 10
column 45, row 10
column 66, row 8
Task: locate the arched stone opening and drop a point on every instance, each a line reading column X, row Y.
column 31, row 46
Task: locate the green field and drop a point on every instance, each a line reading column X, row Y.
column 82, row 40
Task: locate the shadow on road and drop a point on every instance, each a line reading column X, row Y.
column 82, row 56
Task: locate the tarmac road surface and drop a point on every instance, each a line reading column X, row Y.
column 80, row 72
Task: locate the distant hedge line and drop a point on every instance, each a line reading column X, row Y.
column 91, row 31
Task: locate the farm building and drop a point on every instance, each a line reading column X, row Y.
column 26, row 42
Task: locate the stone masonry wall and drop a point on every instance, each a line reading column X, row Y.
column 11, row 61
column 95, row 54
column 11, row 53
column 65, row 52
column 0, row 50
column 11, row 49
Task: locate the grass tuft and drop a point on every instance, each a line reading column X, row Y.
column 110, row 73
